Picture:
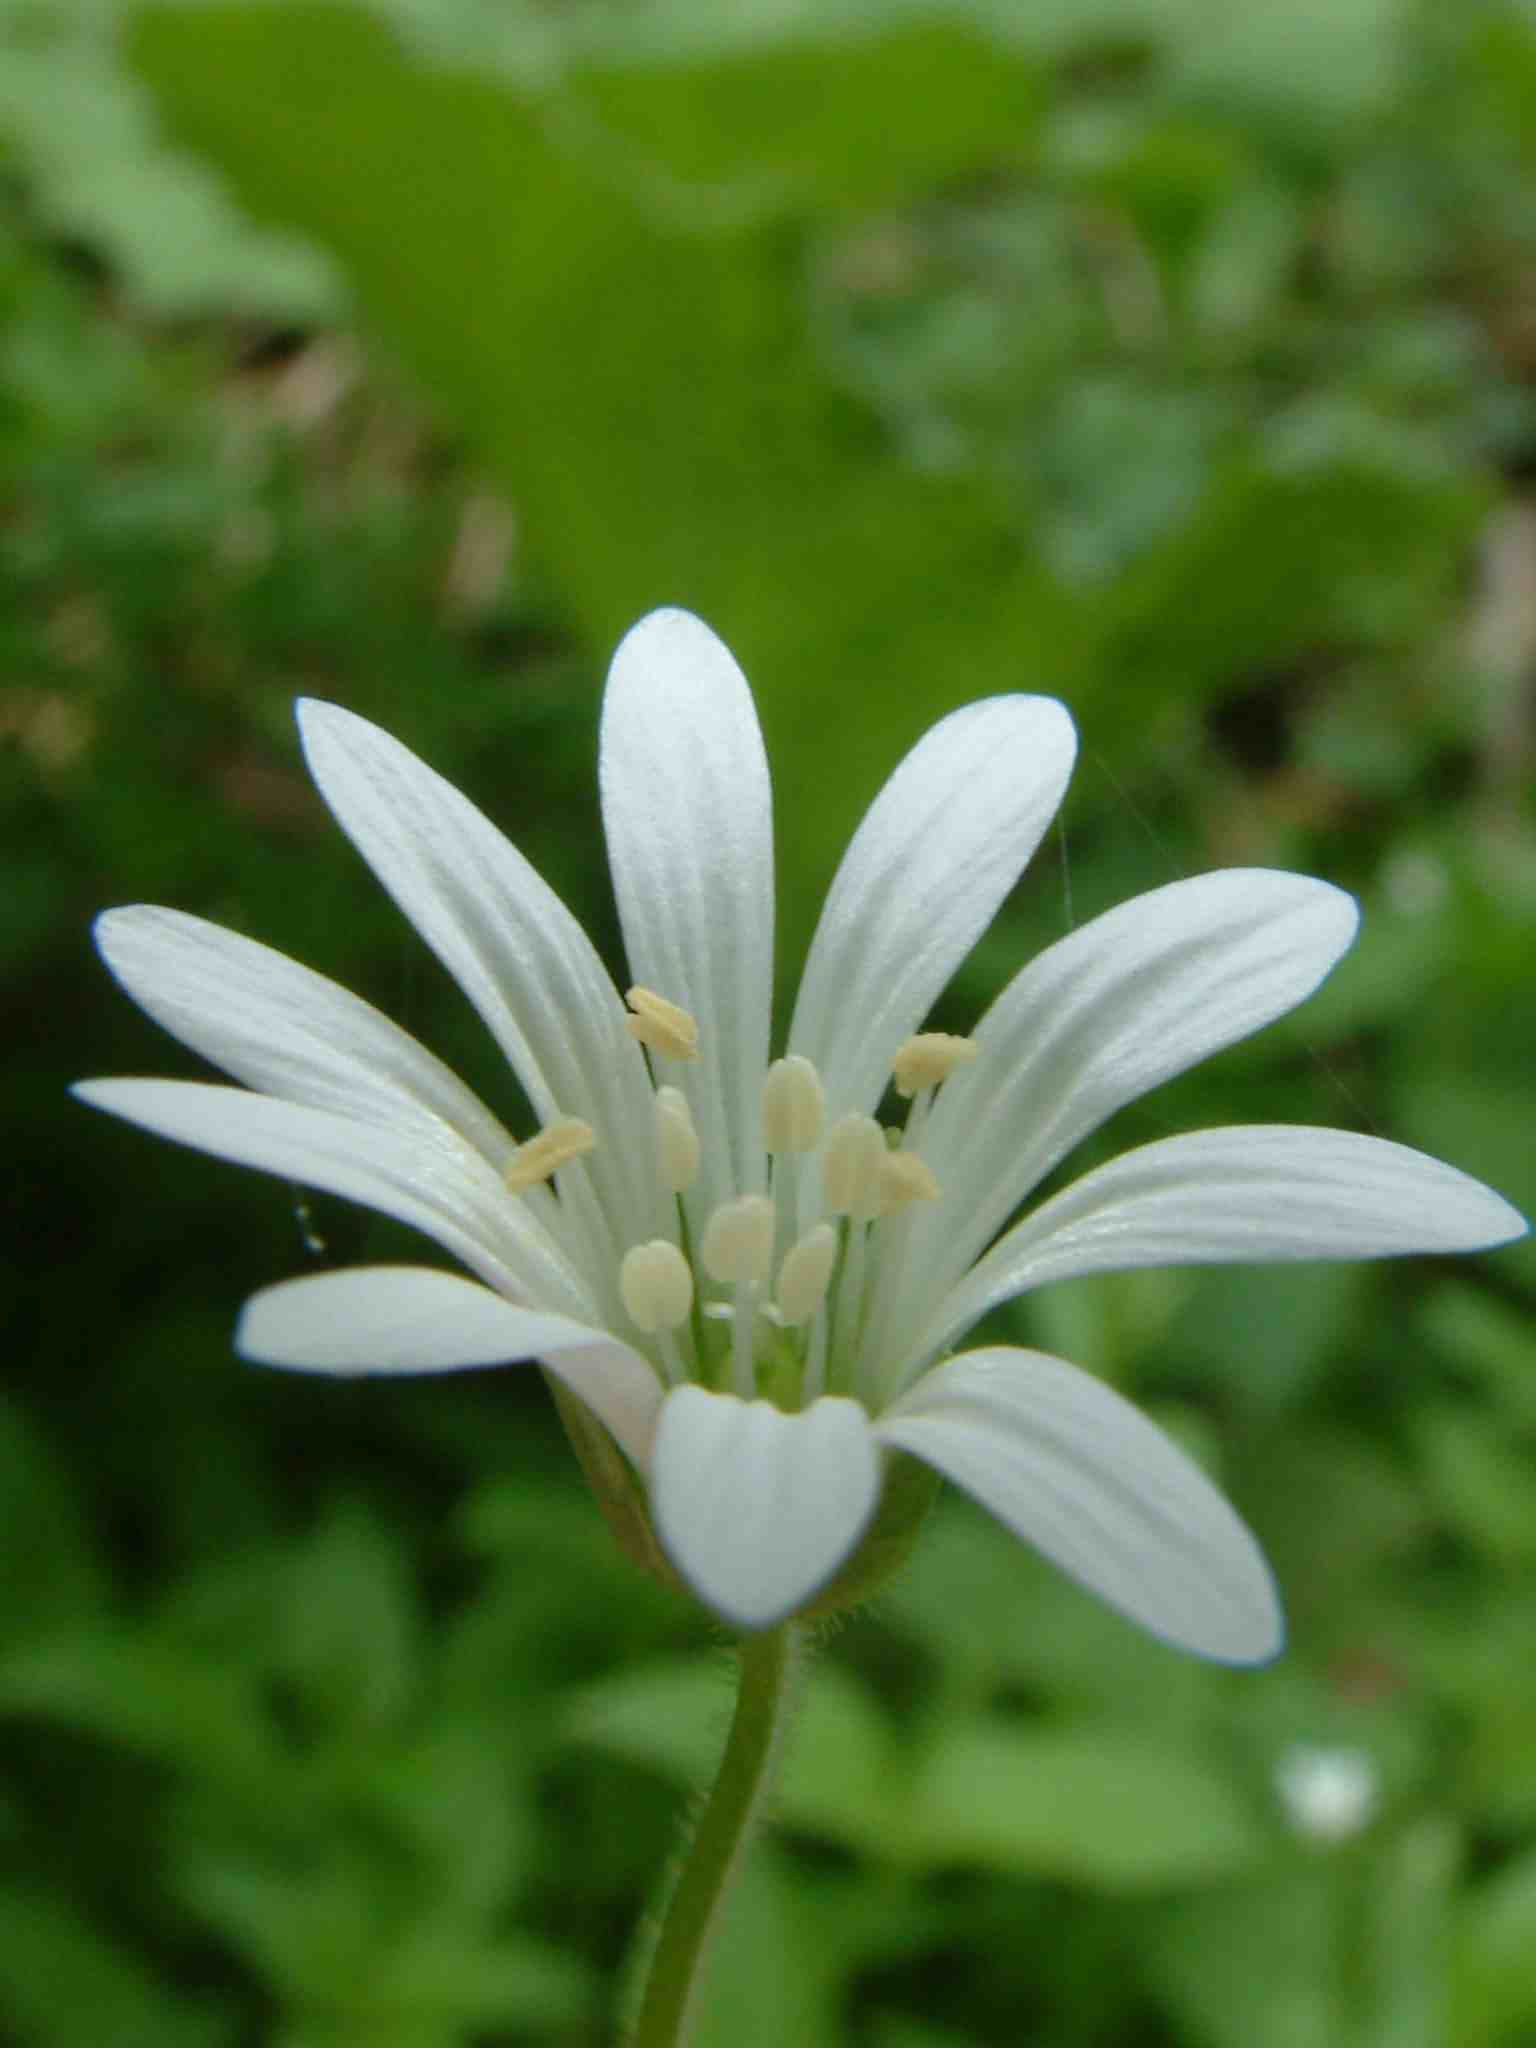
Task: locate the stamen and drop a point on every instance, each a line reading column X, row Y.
column 929, row 1058
column 656, row 1286
column 794, row 1105
column 738, row 1241
column 737, row 1244
column 850, row 1166
column 547, row 1151
column 904, row 1178
column 662, row 1026
column 677, row 1142
column 806, row 1274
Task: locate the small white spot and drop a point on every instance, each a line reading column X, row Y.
column 1328, row 1795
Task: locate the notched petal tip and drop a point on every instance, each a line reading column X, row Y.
column 757, row 1509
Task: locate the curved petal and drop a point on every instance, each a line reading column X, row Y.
column 284, row 1030
column 507, row 939
column 688, row 814
column 1141, row 994
column 618, row 1386
column 436, row 1183
column 938, row 850
column 756, row 1508
column 1075, row 1470
column 412, row 1319
column 1247, row 1193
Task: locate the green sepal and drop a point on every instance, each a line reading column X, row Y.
column 910, row 1490
column 616, row 1487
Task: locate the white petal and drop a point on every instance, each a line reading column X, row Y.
column 939, row 849
column 687, row 812
column 1077, row 1471
column 618, row 1386
column 436, row 1183
column 1247, row 1193
column 283, row 1030
column 756, row 1508
column 515, row 950
column 1140, row 994
column 412, row 1319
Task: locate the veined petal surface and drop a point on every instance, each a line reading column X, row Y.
column 938, row 850
column 757, row 1508
column 509, row 942
column 1142, row 993
column 443, row 1188
column 413, row 1319
column 1065, row 1463
column 688, row 816
column 284, row 1030
column 1243, row 1193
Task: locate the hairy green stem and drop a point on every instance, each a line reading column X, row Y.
column 669, row 2005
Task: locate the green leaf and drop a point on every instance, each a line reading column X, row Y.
column 333, row 1944
column 62, row 1983
column 48, row 1574
column 992, row 1612
column 79, row 128
column 148, row 1698
column 1259, row 1338
column 1493, row 1988
column 1105, row 1807
column 1252, row 1967
column 1401, row 1986
column 350, row 1625
column 840, row 1768
column 640, row 363
column 1481, row 1481
column 787, row 1948
column 809, row 121
column 1491, row 1340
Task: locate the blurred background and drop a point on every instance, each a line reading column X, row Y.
column 1176, row 358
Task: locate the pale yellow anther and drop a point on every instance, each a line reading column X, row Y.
column 905, row 1179
column 850, row 1166
column 806, row 1274
column 677, row 1142
column 738, row 1241
column 656, row 1285
column 794, row 1105
column 929, row 1058
column 547, row 1151
column 664, row 1027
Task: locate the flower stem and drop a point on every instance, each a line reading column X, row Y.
column 669, row 2004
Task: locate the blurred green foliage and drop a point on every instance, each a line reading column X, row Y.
column 1175, row 358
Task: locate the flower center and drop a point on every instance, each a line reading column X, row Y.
column 768, row 1294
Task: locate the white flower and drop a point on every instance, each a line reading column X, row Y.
column 754, row 1287
column 1328, row 1794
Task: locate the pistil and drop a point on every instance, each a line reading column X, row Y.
column 850, row 1177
